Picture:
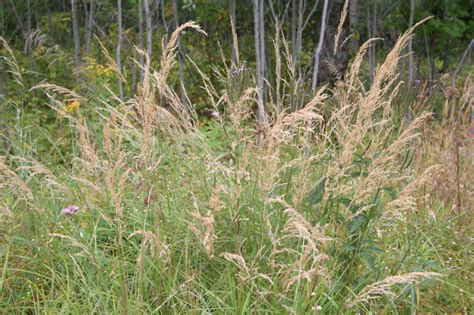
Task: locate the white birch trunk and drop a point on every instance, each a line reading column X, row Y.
column 140, row 37
column 119, row 46
column 259, row 58
column 149, row 29
column 299, row 34
column 373, row 33
column 75, row 29
column 317, row 52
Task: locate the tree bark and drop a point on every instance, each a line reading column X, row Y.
column 75, row 28
column 259, row 58
column 373, row 46
column 28, row 2
column 2, row 26
column 90, row 26
column 299, row 33
column 410, row 42
column 119, row 46
column 163, row 15
column 141, row 43
column 370, row 52
column 353, row 20
column 317, row 51
column 149, row 28
column 294, row 19
column 262, row 45
column 180, row 56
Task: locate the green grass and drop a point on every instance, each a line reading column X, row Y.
column 93, row 268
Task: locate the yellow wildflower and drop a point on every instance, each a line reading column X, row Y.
column 73, row 106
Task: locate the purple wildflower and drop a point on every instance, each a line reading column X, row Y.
column 71, row 210
column 215, row 115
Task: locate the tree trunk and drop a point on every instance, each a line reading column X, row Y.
column 259, row 58
column 317, row 51
column 75, row 28
column 28, row 38
column 90, row 26
column 262, row 45
column 294, row 19
column 299, row 34
column 373, row 27
column 119, row 46
column 149, row 28
column 353, row 21
column 28, row 3
column 410, row 42
column 141, row 44
column 2, row 26
column 163, row 15
column 180, row 56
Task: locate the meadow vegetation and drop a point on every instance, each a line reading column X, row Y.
column 337, row 205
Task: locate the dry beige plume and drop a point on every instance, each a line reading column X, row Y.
column 384, row 287
column 9, row 178
column 12, row 63
column 69, row 95
column 245, row 273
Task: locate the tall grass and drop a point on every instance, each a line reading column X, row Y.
column 329, row 216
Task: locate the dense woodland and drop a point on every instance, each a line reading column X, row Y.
column 226, row 156
column 53, row 36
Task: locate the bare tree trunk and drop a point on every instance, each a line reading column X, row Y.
column 149, row 28
column 28, row 2
column 233, row 21
column 299, row 33
column 163, row 15
column 373, row 46
column 262, row 45
column 140, row 36
column 353, row 20
column 75, row 28
column 180, row 56
column 28, row 47
column 461, row 62
column 410, row 43
column 317, row 51
column 371, row 55
column 259, row 57
column 294, row 19
column 37, row 20
column 90, row 25
column 3, row 19
column 119, row 46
